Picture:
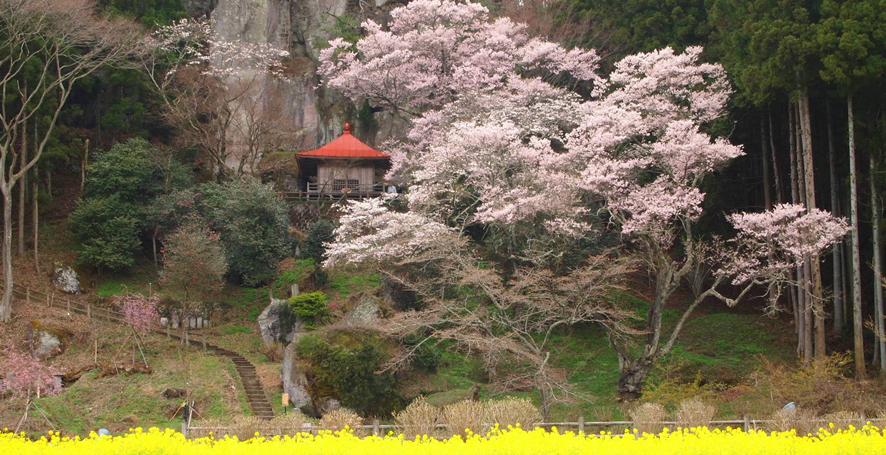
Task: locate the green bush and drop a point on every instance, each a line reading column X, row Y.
column 310, row 308
column 120, row 186
column 319, row 232
column 254, row 226
column 106, row 231
column 348, row 374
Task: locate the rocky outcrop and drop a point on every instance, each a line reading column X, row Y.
column 365, row 313
column 269, row 321
column 66, row 279
column 295, row 383
column 199, row 8
column 47, row 341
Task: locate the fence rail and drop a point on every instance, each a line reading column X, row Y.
column 581, row 426
column 56, row 300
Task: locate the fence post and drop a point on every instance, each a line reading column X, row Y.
column 28, row 295
column 747, row 423
column 89, row 311
column 48, row 302
column 204, row 341
column 375, row 427
column 581, row 424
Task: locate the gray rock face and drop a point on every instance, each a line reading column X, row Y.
column 269, row 321
column 66, row 279
column 46, row 341
column 365, row 313
column 295, row 383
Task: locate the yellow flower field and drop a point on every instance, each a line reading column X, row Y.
column 869, row 440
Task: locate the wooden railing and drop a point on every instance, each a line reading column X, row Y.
column 52, row 299
column 581, row 426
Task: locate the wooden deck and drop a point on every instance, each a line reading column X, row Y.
column 317, row 191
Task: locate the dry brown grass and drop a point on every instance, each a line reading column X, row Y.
column 842, row 420
column 513, row 412
column 465, row 417
column 648, row 417
column 419, row 418
column 694, row 413
column 803, row 421
column 340, row 419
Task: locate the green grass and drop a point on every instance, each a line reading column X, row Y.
column 348, row 282
column 234, row 329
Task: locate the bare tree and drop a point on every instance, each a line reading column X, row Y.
column 222, row 96
column 52, row 44
column 505, row 319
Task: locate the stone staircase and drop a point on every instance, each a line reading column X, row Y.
column 255, row 393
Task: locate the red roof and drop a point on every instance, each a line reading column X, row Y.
column 346, row 146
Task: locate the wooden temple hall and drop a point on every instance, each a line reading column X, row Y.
column 343, row 168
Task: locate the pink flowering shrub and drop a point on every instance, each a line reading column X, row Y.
column 24, row 375
column 140, row 312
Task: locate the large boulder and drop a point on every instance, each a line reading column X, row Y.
column 295, row 383
column 365, row 313
column 66, row 279
column 270, row 325
column 47, row 341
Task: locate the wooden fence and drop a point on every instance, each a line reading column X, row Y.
column 52, row 299
column 581, row 426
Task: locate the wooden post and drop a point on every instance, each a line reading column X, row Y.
column 375, row 427
column 28, row 295
column 48, row 302
column 581, row 425
column 747, row 423
column 204, row 340
column 88, row 311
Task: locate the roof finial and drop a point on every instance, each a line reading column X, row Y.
column 347, row 128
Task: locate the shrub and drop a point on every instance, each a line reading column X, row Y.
column 310, row 308
column 254, row 226
column 465, row 417
column 319, row 232
column 694, row 413
column 193, row 261
column 106, row 231
column 419, row 418
column 338, row 419
column 513, row 412
column 648, row 417
column 348, row 374
column 120, row 186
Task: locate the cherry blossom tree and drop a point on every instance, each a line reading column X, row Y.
column 434, row 50
column 26, row 375
column 141, row 314
column 521, row 168
column 222, row 96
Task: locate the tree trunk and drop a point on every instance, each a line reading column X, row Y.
column 778, row 186
column 36, row 220
column 6, row 303
column 22, row 189
column 817, row 300
column 878, row 268
column 764, row 154
column 630, row 381
column 857, row 317
column 803, row 292
column 836, row 253
column 796, row 291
